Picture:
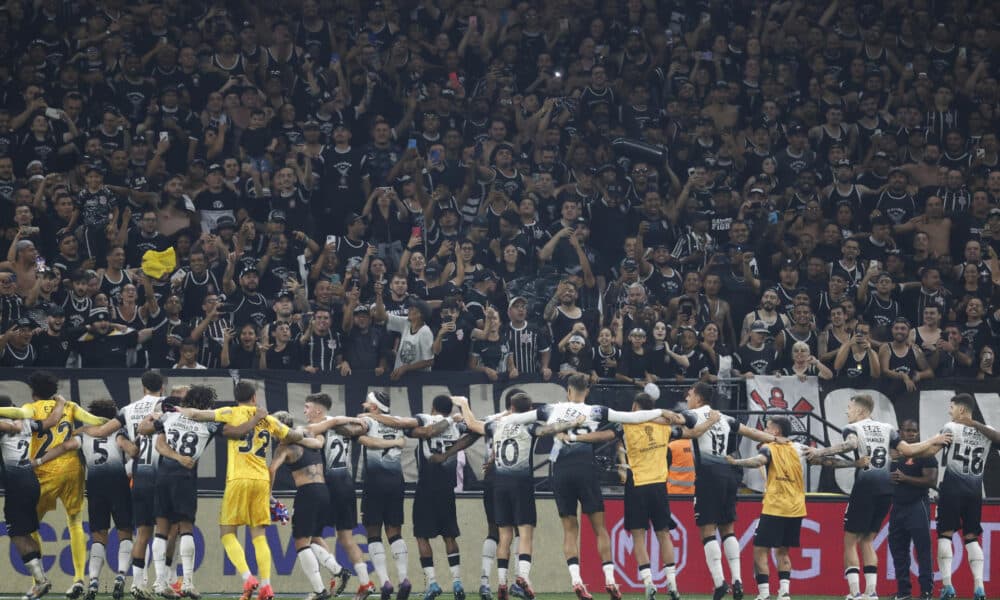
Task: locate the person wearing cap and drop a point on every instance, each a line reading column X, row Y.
column 249, row 305
column 529, row 344
column 99, row 211
column 755, row 357
column 366, row 348
column 414, row 352
column 16, row 349
column 216, row 200
column 105, row 345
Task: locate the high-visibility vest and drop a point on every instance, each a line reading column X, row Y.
column 680, row 478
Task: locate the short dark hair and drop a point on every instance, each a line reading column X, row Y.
column 784, row 425
column 705, row 391
column 201, row 397
column 965, row 400
column 442, row 404
column 510, row 396
column 44, row 384
column 244, row 392
column 520, row 402
column 643, row 400
column 578, row 382
column 152, row 381
column 323, row 400
column 104, row 407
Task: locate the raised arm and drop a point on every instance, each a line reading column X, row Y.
column 700, row 429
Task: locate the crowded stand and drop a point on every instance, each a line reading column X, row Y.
column 632, row 191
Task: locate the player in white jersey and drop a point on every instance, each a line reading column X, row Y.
column 434, row 511
column 108, row 493
column 960, row 502
column 20, row 509
column 715, row 494
column 513, row 435
column 337, row 434
column 180, row 442
column 137, row 421
column 871, row 495
column 573, row 481
column 382, row 494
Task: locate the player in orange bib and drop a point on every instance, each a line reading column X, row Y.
column 246, row 500
column 62, row 478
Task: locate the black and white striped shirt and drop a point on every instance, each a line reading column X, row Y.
column 211, row 348
column 10, row 310
column 321, row 351
column 526, row 345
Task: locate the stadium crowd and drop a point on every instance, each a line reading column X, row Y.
column 631, row 191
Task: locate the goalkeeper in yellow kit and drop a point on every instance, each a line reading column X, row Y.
column 62, row 478
column 246, row 500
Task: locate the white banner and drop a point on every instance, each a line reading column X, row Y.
column 771, row 394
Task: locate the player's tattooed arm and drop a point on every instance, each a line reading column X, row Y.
column 395, row 422
column 849, row 443
column 463, row 442
column 554, row 428
column 279, row 458
column 165, row 450
column 835, row 462
column 759, row 436
column 429, row 431
column 699, row 429
column 748, row 463
column 331, row 423
column 991, row 434
column 377, row 443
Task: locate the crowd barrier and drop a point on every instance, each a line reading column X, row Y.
column 817, row 564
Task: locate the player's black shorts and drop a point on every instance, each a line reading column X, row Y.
column 866, row 512
column 20, row 508
column 382, row 503
column 514, row 501
column 143, row 501
column 309, row 515
column 960, row 511
column 572, row 485
column 715, row 496
column 489, row 496
column 434, row 513
column 777, row 532
column 109, row 497
column 176, row 496
column 343, row 505
column 647, row 504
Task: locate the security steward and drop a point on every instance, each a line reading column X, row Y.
column 909, row 520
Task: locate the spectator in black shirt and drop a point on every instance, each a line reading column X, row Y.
column 144, row 238
column 284, row 354
column 16, row 349
column 367, row 348
column 636, row 367
column 243, row 352
column 451, row 344
column 52, row 344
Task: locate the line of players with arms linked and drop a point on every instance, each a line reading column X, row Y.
column 159, row 439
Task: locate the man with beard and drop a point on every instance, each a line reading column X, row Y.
column 216, row 200
column 107, row 345
column 52, row 344
column 768, row 315
column 562, row 313
column 801, row 330
column 196, row 284
column 901, row 359
column 930, row 290
column 664, row 283
column 895, row 202
column 249, row 305
column 975, row 330
column 322, row 349
column 144, row 238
